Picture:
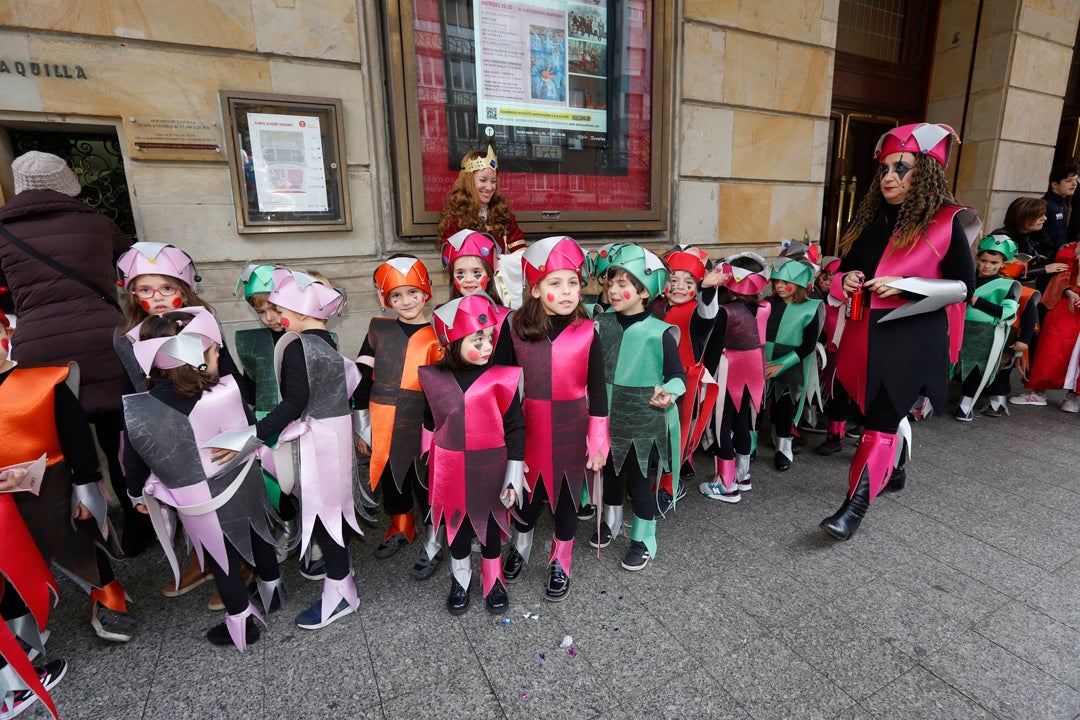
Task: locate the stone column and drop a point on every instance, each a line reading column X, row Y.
column 1022, row 58
column 752, row 111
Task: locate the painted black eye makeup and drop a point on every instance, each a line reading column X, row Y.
column 899, row 167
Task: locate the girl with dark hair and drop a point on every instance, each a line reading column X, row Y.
column 565, row 403
column 222, row 506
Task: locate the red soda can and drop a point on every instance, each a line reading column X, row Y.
column 856, row 305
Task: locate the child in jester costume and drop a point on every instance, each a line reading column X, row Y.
column 644, row 377
column 987, row 321
column 255, row 349
column 390, row 404
column 1024, row 327
column 791, row 336
column 679, row 305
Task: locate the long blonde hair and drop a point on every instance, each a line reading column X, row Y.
column 929, row 192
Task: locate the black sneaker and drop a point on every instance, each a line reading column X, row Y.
column 686, row 471
column 457, row 602
column 781, row 462
column 636, row 557
column 512, row 565
column 313, row 569
column 219, row 634
column 389, row 547
column 425, row 567
column 558, row 586
column 854, row 431
column 497, row 601
column 603, row 539
column 587, row 512
column 832, row 445
column 20, row 701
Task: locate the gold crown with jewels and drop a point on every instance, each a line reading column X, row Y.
column 481, row 163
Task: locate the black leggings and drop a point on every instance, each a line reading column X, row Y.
column 781, row 415
column 335, row 556
column 565, row 513
column 231, row 585
column 880, row 415
column 733, row 435
column 971, row 383
column 400, row 502
column 462, row 544
column 630, row 478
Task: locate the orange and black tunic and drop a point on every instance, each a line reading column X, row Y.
column 40, row 415
column 389, row 360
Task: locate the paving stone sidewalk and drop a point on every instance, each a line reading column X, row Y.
column 958, row 598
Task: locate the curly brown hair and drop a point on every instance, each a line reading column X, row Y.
column 463, row 206
column 929, row 192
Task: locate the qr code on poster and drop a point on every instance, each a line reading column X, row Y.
column 492, row 113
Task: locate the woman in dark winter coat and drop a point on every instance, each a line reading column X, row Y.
column 59, row 318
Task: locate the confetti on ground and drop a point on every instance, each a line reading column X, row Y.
column 506, row 621
column 567, row 641
column 571, row 652
column 542, row 656
column 524, row 696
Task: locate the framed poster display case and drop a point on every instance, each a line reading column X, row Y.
column 287, row 161
column 574, row 96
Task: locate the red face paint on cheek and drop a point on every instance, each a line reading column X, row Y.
column 145, row 305
column 5, row 344
column 626, row 295
column 284, row 322
column 472, row 355
column 177, row 302
column 484, row 282
column 693, row 294
column 551, row 297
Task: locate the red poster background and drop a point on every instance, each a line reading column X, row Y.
column 539, row 191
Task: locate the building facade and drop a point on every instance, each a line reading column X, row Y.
column 772, row 105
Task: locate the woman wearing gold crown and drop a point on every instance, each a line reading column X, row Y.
column 476, row 203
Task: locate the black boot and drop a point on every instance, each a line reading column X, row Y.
column 832, row 445
column 558, row 586
column 781, row 462
column 512, row 565
column 457, row 602
column 497, row 600
column 899, row 474
column 843, row 524
column 897, row 480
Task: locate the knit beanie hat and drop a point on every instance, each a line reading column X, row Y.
column 44, row 171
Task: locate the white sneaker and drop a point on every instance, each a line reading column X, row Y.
column 1071, row 403
column 1031, row 397
column 715, row 491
